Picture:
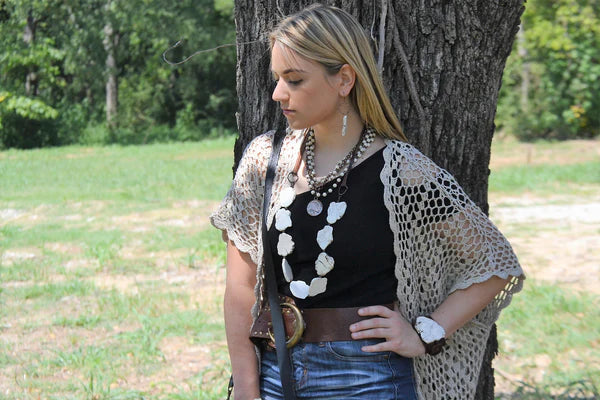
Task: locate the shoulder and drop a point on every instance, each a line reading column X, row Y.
column 257, row 153
column 263, row 143
column 255, row 157
column 398, row 147
column 258, row 150
column 260, row 144
column 406, row 157
column 407, row 166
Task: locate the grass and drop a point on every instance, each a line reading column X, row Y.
column 559, row 328
column 554, row 312
column 544, row 179
column 111, row 278
column 140, row 174
column 545, row 168
column 571, row 391
column 89, row 238
column 51, row 291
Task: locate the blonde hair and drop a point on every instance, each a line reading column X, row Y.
column 332, row 37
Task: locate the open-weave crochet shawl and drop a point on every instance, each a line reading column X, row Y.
column 434, row 255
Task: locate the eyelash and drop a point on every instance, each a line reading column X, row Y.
column 293, row 83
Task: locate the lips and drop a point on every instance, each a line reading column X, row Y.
column 287, row 111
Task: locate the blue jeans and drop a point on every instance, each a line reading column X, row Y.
column 340, row 370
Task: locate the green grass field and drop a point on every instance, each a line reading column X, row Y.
column 111, row 277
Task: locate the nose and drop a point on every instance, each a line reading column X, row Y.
column 280, row 92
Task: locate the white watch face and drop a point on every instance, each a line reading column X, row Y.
column 429, row 330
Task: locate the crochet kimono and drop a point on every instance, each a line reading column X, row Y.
column 434, row 255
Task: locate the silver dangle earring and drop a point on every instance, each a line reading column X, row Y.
column 345, row 118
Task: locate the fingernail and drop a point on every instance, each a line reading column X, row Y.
column 352, row 327
column 361, row 311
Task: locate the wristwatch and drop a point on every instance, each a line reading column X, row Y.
column 431, row 333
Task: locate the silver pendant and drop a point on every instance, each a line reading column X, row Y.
column 314, row 208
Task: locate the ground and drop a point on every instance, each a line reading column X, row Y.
column 556, row 236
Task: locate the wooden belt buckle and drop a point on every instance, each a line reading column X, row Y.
column 299, row 326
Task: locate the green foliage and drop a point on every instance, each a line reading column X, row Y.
column 26, row 107
column 53, row 56
column 26, row 122
column 31, row 75
column 551, row 83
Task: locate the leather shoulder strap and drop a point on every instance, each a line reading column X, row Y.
column 283, row 356
column 270, row 175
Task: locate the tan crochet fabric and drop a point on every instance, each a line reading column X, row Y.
column 434, row 256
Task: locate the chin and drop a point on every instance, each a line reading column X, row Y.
column 296, row 125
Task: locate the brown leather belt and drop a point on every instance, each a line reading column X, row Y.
column 320, row 324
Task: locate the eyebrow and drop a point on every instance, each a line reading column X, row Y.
column 289, row 71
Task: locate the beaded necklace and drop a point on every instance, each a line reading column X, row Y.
column 340, row 170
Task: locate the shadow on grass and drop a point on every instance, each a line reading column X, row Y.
column 578, row 390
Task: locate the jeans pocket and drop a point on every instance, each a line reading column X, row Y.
column 352, row 351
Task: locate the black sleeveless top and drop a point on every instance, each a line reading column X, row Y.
column 362, row 247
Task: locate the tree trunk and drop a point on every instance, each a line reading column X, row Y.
column 442, row 66
column 31, row 79
column 110, row 42
column 522, row 51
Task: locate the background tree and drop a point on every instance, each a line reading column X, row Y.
column 551, row 79
column 71, row 69
column 111, row 41
column 442, row 65
column 64, row 74
column 27, row 116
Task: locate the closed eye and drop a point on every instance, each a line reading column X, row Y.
column 289, row 81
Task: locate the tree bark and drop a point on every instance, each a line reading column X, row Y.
column 522, row 51
column 31, row 79
column 442, row 67
column 110, row 42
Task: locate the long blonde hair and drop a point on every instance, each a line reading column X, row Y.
column 332, row 37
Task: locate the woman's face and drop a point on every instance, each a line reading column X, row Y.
column 307, row 94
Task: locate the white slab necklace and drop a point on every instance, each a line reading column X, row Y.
column 336, row 210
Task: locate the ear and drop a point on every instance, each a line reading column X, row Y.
column 347, row 79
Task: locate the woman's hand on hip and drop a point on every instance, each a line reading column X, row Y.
column 399, row 335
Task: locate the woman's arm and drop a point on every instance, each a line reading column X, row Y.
column 462, row 305
column 458, row 309
column 239, row 298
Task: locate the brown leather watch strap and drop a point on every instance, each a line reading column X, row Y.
column 434, row 348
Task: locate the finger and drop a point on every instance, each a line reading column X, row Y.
column 376, row 310
column 369, row 324
column 383, row 346
column 376, row 333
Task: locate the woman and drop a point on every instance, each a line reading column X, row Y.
column 362, row 224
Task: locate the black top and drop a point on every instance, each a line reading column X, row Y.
column 362, row 247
